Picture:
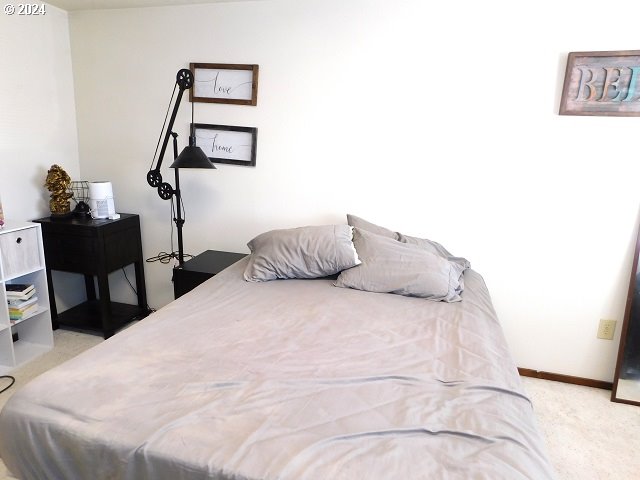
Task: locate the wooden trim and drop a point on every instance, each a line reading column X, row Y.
column 622, row 400
column 558, row 377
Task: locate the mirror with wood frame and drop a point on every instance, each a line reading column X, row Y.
column 626, row 384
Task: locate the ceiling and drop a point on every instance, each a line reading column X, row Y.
column 71, row 5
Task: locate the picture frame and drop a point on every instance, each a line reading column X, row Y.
column 224, row 83
column 227, row 144
column 603, row 83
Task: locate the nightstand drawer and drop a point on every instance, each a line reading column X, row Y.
column 65, row 251
column 18, row 252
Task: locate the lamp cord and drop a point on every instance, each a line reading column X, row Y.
column 192, row 129
column 164, row 257
column 147, row 307
column 163, row 126
column 12, row 379
column 173, row 213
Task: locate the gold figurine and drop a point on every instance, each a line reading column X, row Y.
column 57, row 183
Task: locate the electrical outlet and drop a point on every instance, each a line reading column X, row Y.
column 606, row 329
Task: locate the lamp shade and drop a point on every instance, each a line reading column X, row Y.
column 192, row 157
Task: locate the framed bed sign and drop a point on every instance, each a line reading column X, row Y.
column 224, row 83
column 602, row 83
column 227, row 144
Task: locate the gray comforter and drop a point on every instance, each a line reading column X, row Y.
column 289, row 379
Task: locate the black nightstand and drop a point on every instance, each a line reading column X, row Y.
column 95, row 247
column 200, row 268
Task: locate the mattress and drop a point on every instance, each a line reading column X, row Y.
column 288, row 379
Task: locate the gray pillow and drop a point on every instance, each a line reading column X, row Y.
column 460, row 264
column 390, row 266
column 429, row 245
column 304, row 252
column 362, row 224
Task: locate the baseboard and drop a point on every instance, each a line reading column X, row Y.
column 558, row 377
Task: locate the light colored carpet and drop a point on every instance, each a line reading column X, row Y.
column 588, row 437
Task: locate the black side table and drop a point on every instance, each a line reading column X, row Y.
column 200, row 268
column 95, row 247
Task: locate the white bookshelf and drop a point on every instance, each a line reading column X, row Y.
column 22, row 261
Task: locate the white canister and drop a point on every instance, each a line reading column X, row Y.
column 101, row 200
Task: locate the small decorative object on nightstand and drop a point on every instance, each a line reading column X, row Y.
column 80, row 191
column 200, row 268
column 58, row 182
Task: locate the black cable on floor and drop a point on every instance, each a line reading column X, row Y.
column 148, row 309
column 164, row 257
column 13, row 380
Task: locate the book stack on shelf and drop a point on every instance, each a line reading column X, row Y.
column 22, row 301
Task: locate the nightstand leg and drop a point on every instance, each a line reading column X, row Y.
column 105, row 305
column 90, row 287
column 141, row 288
column 52, row 302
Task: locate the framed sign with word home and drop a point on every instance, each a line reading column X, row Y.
column 227, row 144
column 224, row 83
column 602, row 83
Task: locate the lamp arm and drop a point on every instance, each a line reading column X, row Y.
column 184, row 81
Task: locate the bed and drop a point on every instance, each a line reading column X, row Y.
column 285, row 379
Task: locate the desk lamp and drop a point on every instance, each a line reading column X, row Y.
column 191, row 157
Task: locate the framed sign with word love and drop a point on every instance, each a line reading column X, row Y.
column 224, row 83
column 602, row 83
column 227, row 144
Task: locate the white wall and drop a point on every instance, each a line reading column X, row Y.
column 37, row 110
column 37, row 120
column 434, row 119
